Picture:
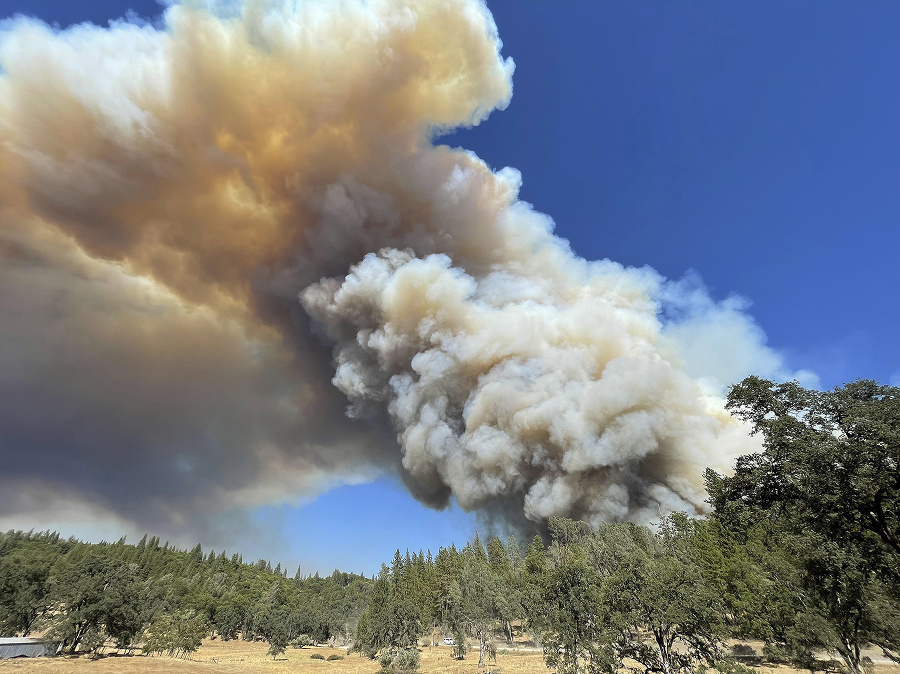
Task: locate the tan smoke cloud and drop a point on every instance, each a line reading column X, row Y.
column 166, row 193
column 552, row 392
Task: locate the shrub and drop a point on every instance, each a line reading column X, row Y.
column 742, row 651
column 726, row 666
column 301, row 641
column 385, row 659
column 364, row 651
column 335, row 656
column 777, row 654
column 316, row 656
column 407, row 660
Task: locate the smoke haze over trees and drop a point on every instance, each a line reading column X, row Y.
column 799, row 552
column 239, row 269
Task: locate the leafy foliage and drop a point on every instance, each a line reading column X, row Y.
column 177, row 635
column 831, row 461
column 24, row 584
column 406, row 660
column 653, row 583
column 825, row 494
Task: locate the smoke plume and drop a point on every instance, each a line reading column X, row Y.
column 168, row 192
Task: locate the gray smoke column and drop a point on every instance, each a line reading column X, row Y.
column 167, row 192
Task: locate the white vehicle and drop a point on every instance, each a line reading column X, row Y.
column 449, row 641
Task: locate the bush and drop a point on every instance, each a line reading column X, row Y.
column 335, row 656
column 726, row 666
column 742, row 651
column 301, row 641
column 316, row 656
column 777, row 654
column 407, row 660
column 364, row 651
column 385, row 659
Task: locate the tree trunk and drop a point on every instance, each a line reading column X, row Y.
column 665, row 654
column 79, row 634
column 850, row 655
column 575, row 653
column 482, row 638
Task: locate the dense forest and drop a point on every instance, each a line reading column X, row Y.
column 801, row 550
column 164, row 599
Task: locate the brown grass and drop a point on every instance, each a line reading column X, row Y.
column 240, row 657
column 243, row 657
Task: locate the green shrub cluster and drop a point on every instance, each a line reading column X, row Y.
column 385, row 659
column 401, row 661
column 407, row 660
column 301, row 641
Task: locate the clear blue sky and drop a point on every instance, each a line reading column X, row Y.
column 757, row 143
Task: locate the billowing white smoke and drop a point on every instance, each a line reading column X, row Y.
column 166, row 194
column 542, row 381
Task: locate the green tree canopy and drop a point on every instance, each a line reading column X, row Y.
column 826, row 489
column 831, row 460
column 24, row 588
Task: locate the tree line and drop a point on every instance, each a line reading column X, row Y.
column 801, row 550
column 163, row 599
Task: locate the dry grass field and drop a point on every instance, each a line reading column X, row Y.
column 242, row 657
column 239, row 657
